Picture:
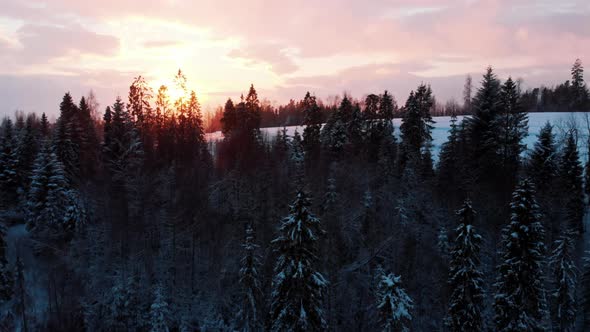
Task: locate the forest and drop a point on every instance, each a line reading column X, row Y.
column 129, row 219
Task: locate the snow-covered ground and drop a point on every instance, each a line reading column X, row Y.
column 561, row 121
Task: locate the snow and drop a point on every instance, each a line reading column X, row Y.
column 440, row 132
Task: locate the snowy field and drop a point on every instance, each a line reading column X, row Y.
column 561, row 122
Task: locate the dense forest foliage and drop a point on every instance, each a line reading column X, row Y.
column 135, row 222
column 565, row 97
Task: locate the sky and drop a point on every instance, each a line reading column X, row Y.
column 284, row 48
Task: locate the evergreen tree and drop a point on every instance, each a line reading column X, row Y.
column 159, row 311
column 65, row 138
column 542, row 166
column 519, row 302
column 449, row 166
column 580, row 97
column 416, row 127
column 229, row 120
column 563, row 311
column 393, row 303
column 312, row 122
column 27, row 150
column 51, row 205
column 335, row 134
column 466, row 280
column 44, row 126
column 249, row 280
column 9, row 179
column 512, row 123
column 570, row 174
column 298, row 288
column 482, row 127
column 6, row 282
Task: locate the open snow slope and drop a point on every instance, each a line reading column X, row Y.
column 562, row 123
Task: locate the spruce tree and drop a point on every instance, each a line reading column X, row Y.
column 250, row 284
column 465, row 279
column 563, row 309
column 519, row 301
column 312, row 122
column 483, row 129
column 65, row 138
column 512, row 123
column 9, row 178
column 393, row 303
column 416, row 127
column 50, row 202
column 570, row 174
column 298, row 289
column 542, row 165
column 44, row 126
column 580, row 97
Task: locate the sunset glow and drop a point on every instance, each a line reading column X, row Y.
column 283, row 48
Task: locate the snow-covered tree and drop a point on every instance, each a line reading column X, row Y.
column 466, row 280
column 159, row 312
column 124, row 308
column 563, row 309
column 53, row 209
column 442, row 241
column 250, row 284
column 519, row 301
column 393, row 303
column 298, row 288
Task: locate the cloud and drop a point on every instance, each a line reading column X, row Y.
column 44, row 42
column 272, row 54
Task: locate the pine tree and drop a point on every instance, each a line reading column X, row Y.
column 298, row 288
column 482, row 127
column 44, row 126
column 229, row 120
column 563, row 311
column 51, row 203
column 249, row 280
column 570, row 174
column 519, row 302
column 27, row 150
column 335, row 134
column 6, row 281
column 159, row 311
column 9, row 178
column 312, row 122
column 580, row 97
column 542, row 166
column 449, row 166
column 65, row 140
column 416, row 127
column 512, row 123
column 466, row 280
column 393, row 303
